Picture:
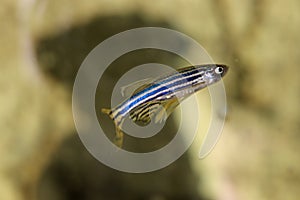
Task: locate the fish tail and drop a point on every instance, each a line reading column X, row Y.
column 108, row 112
column 119, row 134
column 119, row 137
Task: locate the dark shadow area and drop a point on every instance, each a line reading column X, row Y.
column 73, row 172
column 61, row 55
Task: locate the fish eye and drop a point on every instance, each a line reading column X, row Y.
column 219, row 70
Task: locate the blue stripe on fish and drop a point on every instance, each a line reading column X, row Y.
column 175, row 85
column 161, row 88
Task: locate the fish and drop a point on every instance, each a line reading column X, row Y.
column 157, row 99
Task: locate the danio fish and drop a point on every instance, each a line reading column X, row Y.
column 166, row 92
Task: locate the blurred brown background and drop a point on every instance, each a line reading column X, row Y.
column 42, row 45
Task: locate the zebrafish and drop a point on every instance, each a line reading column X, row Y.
column 157, row 99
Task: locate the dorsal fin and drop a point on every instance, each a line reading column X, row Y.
column 132, row 88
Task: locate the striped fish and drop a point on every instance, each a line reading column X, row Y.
column 160, row 97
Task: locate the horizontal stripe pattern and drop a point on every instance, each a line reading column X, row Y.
column 163, row 88
column 180, row 84
column 147, row 99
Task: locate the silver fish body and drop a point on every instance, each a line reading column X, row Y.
column 166, row 91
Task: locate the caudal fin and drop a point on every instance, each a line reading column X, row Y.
column 107, row 111
column 119, row 134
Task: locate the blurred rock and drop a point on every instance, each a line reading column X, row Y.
column 257, row 155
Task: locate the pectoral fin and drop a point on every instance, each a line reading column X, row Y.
column 165, row 110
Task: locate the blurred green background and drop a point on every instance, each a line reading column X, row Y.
column 42, row 45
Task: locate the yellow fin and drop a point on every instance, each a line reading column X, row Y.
column 119, row 137
column 119, row 134
column 160, row 110
column 166, row 109
column 107, row 111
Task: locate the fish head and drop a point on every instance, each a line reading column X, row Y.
column 214, row 73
